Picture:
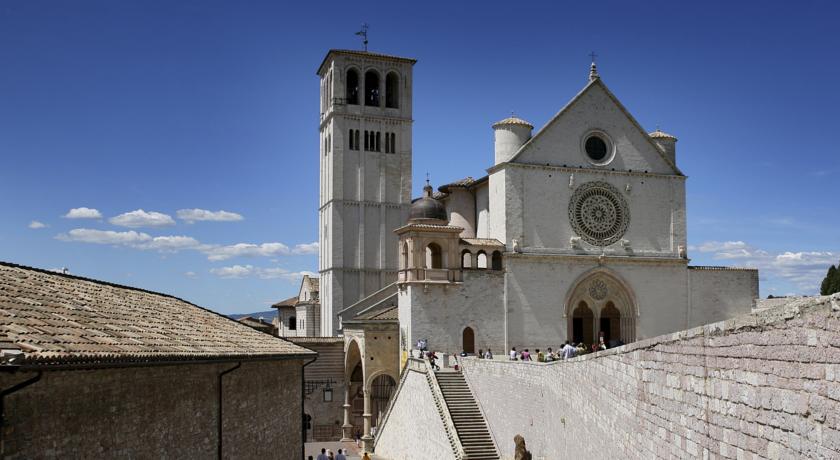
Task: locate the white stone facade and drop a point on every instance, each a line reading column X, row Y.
column 365, row 152
column 592, row 240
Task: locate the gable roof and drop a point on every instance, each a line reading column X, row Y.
column 57, row 319
column 290, row 302
column 593, row 83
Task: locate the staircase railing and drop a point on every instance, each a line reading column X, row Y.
column 443, row 409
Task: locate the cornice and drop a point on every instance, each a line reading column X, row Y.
column 582, row 169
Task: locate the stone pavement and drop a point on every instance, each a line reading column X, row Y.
column 353, row 452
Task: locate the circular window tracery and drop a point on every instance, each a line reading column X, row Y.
column 598, row 213
column 597, row 148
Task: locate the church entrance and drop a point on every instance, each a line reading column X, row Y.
column 468, row 340
column 601, row 305
column 582, row 320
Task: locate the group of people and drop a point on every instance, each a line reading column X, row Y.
column 328, row 455
column 567, row 351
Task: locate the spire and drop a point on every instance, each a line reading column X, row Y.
column 427, row 189
column 593, row 70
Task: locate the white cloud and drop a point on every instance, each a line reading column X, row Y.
column 245, row 271
column 87, row 235
column 234, row 271
column 36, row 225
column 246, row 250
column 191, row 275
column 172, row 243
column 805, row 269
column 141, row 218
column 306, row 248
column 83, row 213
column 195, row 215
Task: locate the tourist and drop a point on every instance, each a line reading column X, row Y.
column 340, row 455
column 330, row 455
column 526, row 355
column 549, row 356
column 463, row 354
column 358, row 436
column 433, row 360
column 568, row 351
column 366, row 456
column 480, row 353
column 540, row 356
column 513, row 354
column 488, row 355
column 580, row 349
column 323, row 455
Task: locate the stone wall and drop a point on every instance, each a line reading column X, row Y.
column 414, row 428
column 155, row 412
column 720, row 292
column 761, row 385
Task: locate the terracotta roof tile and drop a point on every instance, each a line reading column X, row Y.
column 63, row 319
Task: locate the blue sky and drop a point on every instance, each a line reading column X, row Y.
column 160, row 106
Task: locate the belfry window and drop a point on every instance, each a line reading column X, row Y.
column 434, row 256
column 352, row 93
column 367, row 141
column 392, row 91
column 372, row 88
column 466, row 259
column 377, row 149
column 481, row 259
column 496, row 260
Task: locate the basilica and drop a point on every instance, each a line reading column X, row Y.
column 576, row 232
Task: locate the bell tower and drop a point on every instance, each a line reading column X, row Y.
column 365, row 158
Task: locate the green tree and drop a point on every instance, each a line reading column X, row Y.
column 831, row 283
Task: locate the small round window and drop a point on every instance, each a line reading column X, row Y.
column 597, row 148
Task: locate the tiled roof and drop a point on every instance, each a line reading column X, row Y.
column 661, row 135
column 305, row 340
column 58, row 319
column 389, row 313
column 513, row 121
column 482, row 241
column 290, row 302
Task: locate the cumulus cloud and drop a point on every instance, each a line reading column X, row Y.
column 83, row 213
column 191, row 275
column 172, row 243
column 306, row 248
column 141, row 218
column 36, row 225
column 195, row 215
column 246, row 250
column 247, row 271
column 805, row 269
column 87, row 235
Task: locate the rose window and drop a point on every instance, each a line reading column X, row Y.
column 598, row 213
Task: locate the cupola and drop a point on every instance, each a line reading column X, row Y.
column 427, row 209
column 510, row 134
column 667, row 142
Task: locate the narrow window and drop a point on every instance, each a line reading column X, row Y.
column 350, row 135
column 367, row 141
column 352, row 93
column 393, row 143
column 387, row 143
column 392, row 84
column 377, row 141
column 356, row 143
column 372, row 88
column 292, row 323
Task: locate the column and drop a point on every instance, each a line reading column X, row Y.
column 367, row 439
column 347, row 428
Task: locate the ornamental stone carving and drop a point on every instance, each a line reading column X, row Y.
column 598, row 289
column 598, row 213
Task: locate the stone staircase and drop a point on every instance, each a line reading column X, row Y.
column 469, row 422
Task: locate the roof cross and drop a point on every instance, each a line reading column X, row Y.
column 363, row 33
column 593, row 56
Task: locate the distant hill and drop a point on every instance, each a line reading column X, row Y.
column 268, row 316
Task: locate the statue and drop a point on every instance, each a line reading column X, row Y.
column 516, row 246
column 682, row 252
column 521, row 452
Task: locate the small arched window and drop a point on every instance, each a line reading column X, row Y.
column 434, row 256
column 392, row 90
column 292, row 323
column 352, row 93
column 482, row 259
column 496, row 261
column 466, row 259
column 405, row 255
column 372, row 88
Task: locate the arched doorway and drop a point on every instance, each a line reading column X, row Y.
column 610, row 323
column 582, row 319
column 354, row 381
column 468, row 340
column 609, row 303
column 381, row 390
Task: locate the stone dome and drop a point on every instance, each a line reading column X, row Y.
column 427, row 209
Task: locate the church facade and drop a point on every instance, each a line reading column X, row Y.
column 576, row 232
